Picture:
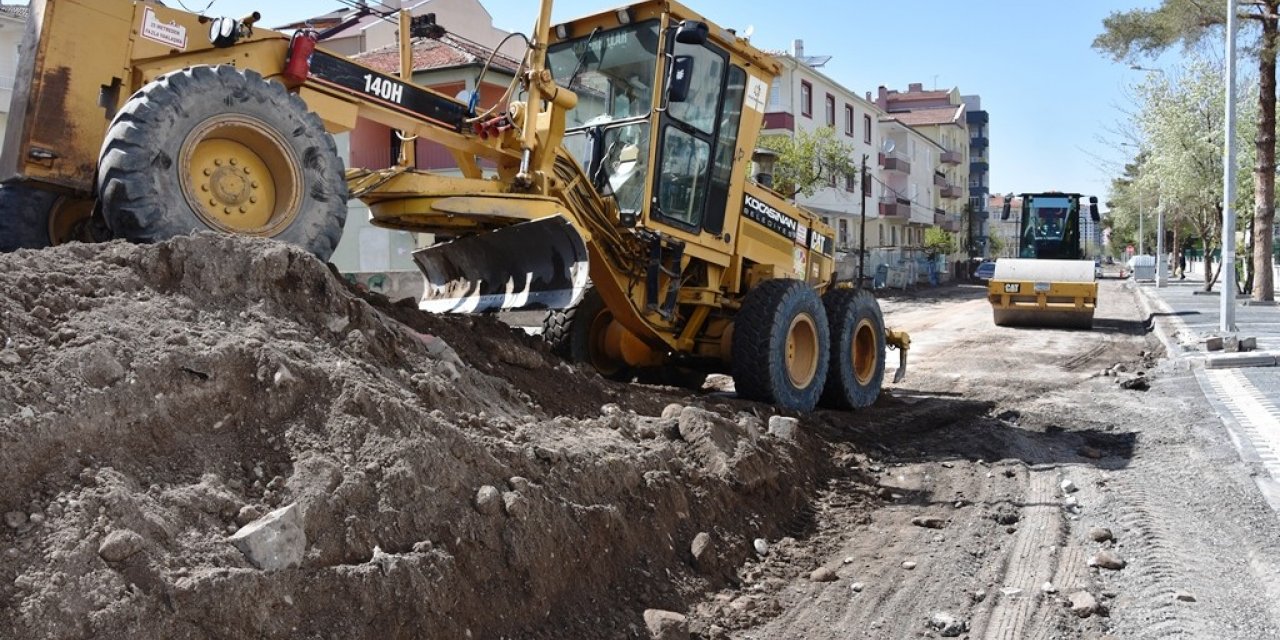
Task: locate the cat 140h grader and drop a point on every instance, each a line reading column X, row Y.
column 610, row 185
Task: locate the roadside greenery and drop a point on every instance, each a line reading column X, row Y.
column 810, row 160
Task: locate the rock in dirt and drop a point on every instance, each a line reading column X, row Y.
column 822, row 574
column 515, row 505
column 908, row 565
column 1138, row 383
column 1107, row 560
column 947, row 625
column 1184, row 596
column 1082, row 604
column 1048, row 588
column 15, row 519
column 672, row 411
column 100, row 368
column 762, row 546
column 702, row 550
column 1068, row 486
column 857, row 587
column 783, row 427
column 274, row 541
column 666, row 625
column 929, row 522
column 119, row 545
column 1100, row 534
column 489, row 500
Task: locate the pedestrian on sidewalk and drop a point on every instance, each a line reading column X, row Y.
column 1182, row 265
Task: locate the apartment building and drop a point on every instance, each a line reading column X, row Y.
column 940, row 116
column 803, row 98
column 13, row 19
column 979, row 167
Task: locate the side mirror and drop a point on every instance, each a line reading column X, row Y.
column 691, row 32
column 1093, row 208
column 680, row 79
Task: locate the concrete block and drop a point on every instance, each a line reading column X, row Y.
column 1239, row 360
column 274, row 541
column 1213, row 343
column 1248, row 344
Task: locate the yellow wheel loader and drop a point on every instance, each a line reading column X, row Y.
column 1050, row 283
column 610, row 185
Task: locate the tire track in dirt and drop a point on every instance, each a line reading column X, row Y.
column 1027, row 566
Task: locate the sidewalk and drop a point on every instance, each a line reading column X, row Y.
column 1244, row 388
column 1183, row 316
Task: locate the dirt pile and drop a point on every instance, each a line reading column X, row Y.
column 452, row 478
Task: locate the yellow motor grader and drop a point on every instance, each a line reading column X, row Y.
column 612, row 185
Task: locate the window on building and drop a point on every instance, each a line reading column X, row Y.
column 831, row 110
column 866, row 129
column 848, row 120
column 881, row 242
column 844, row 232
column 806, row 99
column 831, row 180
column 893, row 236
column 850, row 182
column 775, row 95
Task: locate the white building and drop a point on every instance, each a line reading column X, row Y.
column 13, row 19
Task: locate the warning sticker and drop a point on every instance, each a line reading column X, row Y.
column 170, row 33
column 757, row 93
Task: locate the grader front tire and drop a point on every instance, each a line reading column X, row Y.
column 219, row 148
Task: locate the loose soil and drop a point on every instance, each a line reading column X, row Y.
column 171, row 394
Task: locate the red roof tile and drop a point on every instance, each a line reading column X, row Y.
column 447, row 52
column 936, row 115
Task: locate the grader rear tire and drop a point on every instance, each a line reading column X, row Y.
column 219, row 148
column 24, row 217
column 857, row 349
column 781, row 345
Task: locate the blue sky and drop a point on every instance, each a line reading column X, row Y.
column 1054, row 102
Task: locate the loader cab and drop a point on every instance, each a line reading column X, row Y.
column 658, row 117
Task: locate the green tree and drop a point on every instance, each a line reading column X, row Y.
column 808, row 160
column 1180, row 123
column 1139, row 33
column 939, row 242
column 995, row 245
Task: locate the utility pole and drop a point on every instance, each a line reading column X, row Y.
column 1227, row 312
column 862, row 225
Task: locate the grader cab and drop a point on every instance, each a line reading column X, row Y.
column 610, row 185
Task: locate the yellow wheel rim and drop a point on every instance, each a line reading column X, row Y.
column 67, row 220
column 802, row 351
column 598, row 340
column 240, row 176
column 865, row 355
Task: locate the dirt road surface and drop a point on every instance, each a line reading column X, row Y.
column 1013, row 547
column 439, row 477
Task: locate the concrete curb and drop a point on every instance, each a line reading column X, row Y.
column 1237, row 360
column 1149, row 305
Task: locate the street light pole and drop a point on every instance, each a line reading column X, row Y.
column 1227, row 313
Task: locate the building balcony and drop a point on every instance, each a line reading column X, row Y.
column 952, row 157
column 779, row 121
column 978, row 142
column 951, row 226
column 977, row 117
column 979, row 166
column 891, row 207
column 895, row 162
column 939, row 179
column 951, row 191
column 939, row 217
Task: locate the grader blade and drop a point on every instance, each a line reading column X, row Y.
column 540, row 264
